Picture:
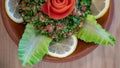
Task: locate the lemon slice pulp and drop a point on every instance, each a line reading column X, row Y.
column 63, row 48
column 99, row 7
column 11, row 7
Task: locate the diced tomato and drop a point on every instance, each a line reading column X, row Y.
column 27, row 1
column 49, row 28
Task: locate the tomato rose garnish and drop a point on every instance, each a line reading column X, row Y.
column 58, row 9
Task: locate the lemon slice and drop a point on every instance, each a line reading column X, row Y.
column 63, row 48
column 99, row 7
column 11, row 7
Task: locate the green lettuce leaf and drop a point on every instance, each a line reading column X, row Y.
column 93, row 32
column 32, row 48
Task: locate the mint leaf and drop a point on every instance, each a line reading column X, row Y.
column 93, row 32
column 32, row 48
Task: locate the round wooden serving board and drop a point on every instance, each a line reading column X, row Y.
column 15, row 31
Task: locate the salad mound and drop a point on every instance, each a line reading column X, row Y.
column 54, row 21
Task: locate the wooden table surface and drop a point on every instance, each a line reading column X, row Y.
column 102, row 57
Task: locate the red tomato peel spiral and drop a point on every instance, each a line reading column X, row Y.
column 58, row 9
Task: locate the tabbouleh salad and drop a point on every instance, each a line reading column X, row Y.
column 31, row 12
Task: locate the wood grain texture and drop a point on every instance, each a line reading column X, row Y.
column 102, row 57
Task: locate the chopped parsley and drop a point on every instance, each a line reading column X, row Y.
column 56, row 29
